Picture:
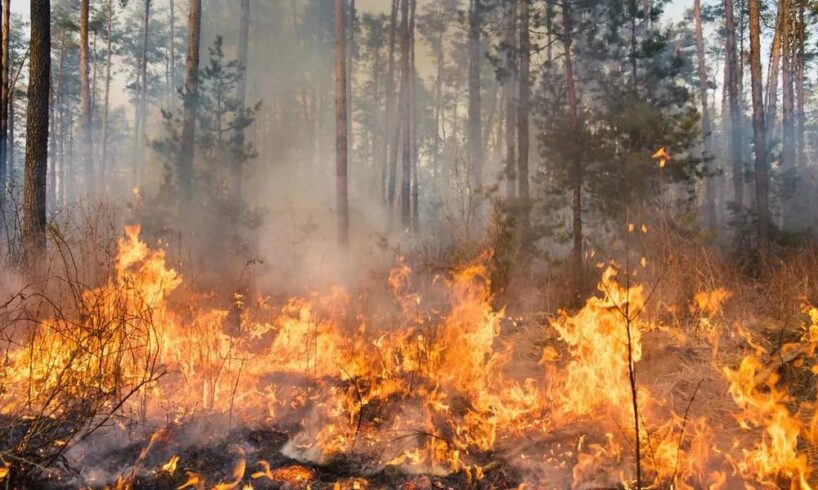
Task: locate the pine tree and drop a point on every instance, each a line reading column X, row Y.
column 341, row 131
column 39, row 87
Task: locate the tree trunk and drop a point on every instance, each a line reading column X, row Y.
column 241, row 89
column 60, row 125
column 475, row 133
column 773, row 70
column 341, row 132
column 171, row 89
column 5, row 7
column 710, row 193
column 142, row 96
column 349, row 50
column 440, row 62
column 735, row 110
column 549, row 34
column 759, row 136
column 103, row 164
column 390, row 156
column 39, row 87
column 191, row 103
column 413, row 121
column 800, row 95
column 523, row 108
column 573, row 111
column 85, row 103
column 405, row 101
column 511, row 103
column 377, row 135
column 787, row 121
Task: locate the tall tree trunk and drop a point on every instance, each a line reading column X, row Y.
column 800, row 95
column 377, row 138
column 523, row 108
column 735, row 110
column 759, row 137
column 173, row 45
column 5, row 7
column 413, row 121
column 577, row 164
column 772, row 74
column 241, row 89
column 85, row 102
column 191, row 102
column 787, row 120
column 341, row 131
column 60, row 125
column 39, row 87
column 103, row 164
column 632, row 11
column 475, row 112
column 10, row 145
column 549, row 34
column 349, row 49
column 390, row 156
column 511, row 103
column 440, row 64
column 710, row 192
column 142, row 97
column 405, row 102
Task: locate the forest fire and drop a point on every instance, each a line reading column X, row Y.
column 426, row 387
column 408, row 244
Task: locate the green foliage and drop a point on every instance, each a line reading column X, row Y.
column 624, row 116
column 221, row 151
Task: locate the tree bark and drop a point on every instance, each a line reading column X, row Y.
column 390, row 156
column 103, row 164
column 440, row 63
column 142, row 96
column 172, row 49
column 349, row 50
column 39, row 87
column 241, row 89
column 523, row 107
column 405, row 101
column 511, row 103
column 735, row 110
column 577, row 165
column 759, row 135
column 341, row 132
column 5, row 7
column 787, row 120
column 475, row 112
column 191, row 103
column 86, row 143
column 800, row 95
column 413, row 121
column 710, row 193
column 60, row 125
column 773, row 71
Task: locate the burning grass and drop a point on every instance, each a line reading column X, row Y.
column 440, row 389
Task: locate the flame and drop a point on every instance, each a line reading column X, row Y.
column 170, row 466
column 777, row 453
column 597, row 340
column 429, row 385
column 194, row 481
column 237, row 473
column 662, row 156
column 710, row 302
